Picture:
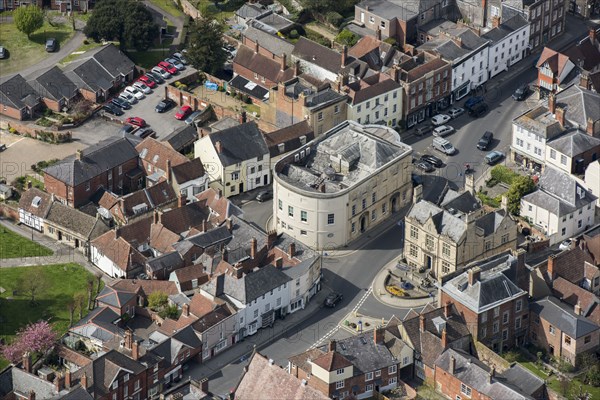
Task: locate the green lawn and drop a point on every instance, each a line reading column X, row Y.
column 168, row 6
column 147, row 59
column 13, row 245
column 426, row 392
column 225, row 10
column 24, row 52
column 63, row 282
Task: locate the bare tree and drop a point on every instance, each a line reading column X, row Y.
column 33, row 283
column 80, row 302
column 90, row 289
column 98, row 276
column 71, row 305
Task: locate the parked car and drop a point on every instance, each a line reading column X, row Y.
column 136, row 121
column 456, row 112
column 264, row 195
column 478, row 110
column 180, row 57
column 155, row 77
column 112, row 109
column 2, row 147
column 425, row 166
column 176, row 63
column 142, row 87
column 128, row 97
column 521, row 93
column 332, row 299
column 494, row 157
column 164, row 105
column 423, row 129
column 119, row 102
column 163, row 73
column 183, row 112
column 145, row 132
column 443, row 145
column 565, row 244
column 443, row 130
column 189, row 120
column 134, row 92
column 471, row 102
column 2, row 52
column 433, row 160
column 485, row 141
column 170, row 68
column 127, row 129
column 440, row 119
column 51, row 45
column 146, row 80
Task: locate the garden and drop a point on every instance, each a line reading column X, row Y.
column 506, row 182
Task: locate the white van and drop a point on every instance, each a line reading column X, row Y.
column 443, row 145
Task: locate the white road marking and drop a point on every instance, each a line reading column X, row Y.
column 325, row 337
column 12, row 144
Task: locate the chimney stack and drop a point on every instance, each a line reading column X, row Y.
column 492, row 373
column 238, row 272
column 156, row 218
column 474, row 274
column 378, row 33
column 417, row 194
column 495, row 22
column 344, row 55
column 68, row 378
column 224, row 255
column 135, row 351
column 283, row 61
column 31, row 395
column 128, row 340
column 560, row 116
column 243, row 117
column 297, row 68
column 204, row 226
column 589, row 129
column 550, row 267
column 592, row 35
column 229, row 223
column 83, row 381
column 331, row 345
column 447, row 309
column 79, row 154
column 395, row 74
column 219, row 146
column 169, row 176
column 378, row 335
column 58, row 384
column 552, row 103
column 253, row 248
column 292, row 250
column 444, row 339
column 185, row 310
column 422, row 323
column 181, row 200
column 452, row 365
column 27, row 362
column 256, row 47
column 279, row 263
column 578, row 308
column 117, row 233
column 271, row 238
column 584, row 80
column 219, row 194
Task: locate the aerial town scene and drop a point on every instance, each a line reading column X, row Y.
column 299, row 199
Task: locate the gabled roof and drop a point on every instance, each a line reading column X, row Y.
column 556, row 61
column 187, row 274
column 53, row 84
column 563, row 317
column 76, row 221
column 239, row 144
column 168, row 262
column 446, row 223
column 273, row 43
column 36, row 202
column 188, row 171
column 574, row 143
column 464, row 202
column 17, row 93
column 319, row 55
column 158, row 153
column 250, row 10
column 370, row 87
column 88, row 74
column 522, row 379
column 170, row 348
column 573, row 295
column 16, row 380
column 490, row 222
column 182, row 137
column 219, row 313
column 113, row 297
column 220, row 207
column 390, row 10
column 506, row 28
column 118, row 250
column 181, row 219
column 289, row 137
column 95, row 160
column 100, row 325
column 585, row 54
column 113, row 60
column 332, row 361
column 145, row 286
column 580, row 105
column 262, row 65
column 102, row 371
column 265, row 380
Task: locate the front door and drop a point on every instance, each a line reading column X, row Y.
column 363, row 223
column 241, row 187
column 428, row 261
column 59, row 235
column 266, row 180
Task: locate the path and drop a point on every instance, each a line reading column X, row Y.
column 313, row 26
column 177, row 21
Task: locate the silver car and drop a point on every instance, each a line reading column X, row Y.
column 163, row 74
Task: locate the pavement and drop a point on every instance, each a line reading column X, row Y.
column 384, row 297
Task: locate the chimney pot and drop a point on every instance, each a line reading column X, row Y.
column 422, row 323
column 292, row 250
column 552, row 103
column 331, row 345
column 185, row 310
column 283, row 61
column 474, row 274
column 253, row 248
column 452, row 365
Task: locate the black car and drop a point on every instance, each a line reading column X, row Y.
column 155, row 77
column 112, row 109
column 425, row 166
column 433, row 160
column 521, row 93
column 164, row 105
column 332, row 299
column 126, row 129
column 122, row 103
column 485, row 141
column 264, row 195
column 478, row 110
column 51, row 45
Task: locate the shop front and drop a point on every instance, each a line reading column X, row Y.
column 461, row 91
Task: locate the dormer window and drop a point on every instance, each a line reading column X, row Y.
column 340, row 371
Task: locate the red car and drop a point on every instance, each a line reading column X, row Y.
column 183, row 112
column 170, row 68
column 151, row 84
column 137, row 121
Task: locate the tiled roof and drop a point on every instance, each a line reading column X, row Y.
column 563, row 317
column 54, row 84
column 219, row 205
column 265, row 381
column 556, row 61
column 17, row 93
column 188, row 171
column 187, row 274
column 201, row 305
column 262, row 65
column 573, row 294
column 411, row 70
column 40, row 206
column 162, row 239
column 273, row 43
column 75, row 221
column 182, row 137
column 111, row 58
column 181, row 219
column 170, row 348
column 16, row 380
column 157, row 153
column 88, row 74
column 145, row 286
column 332, row 361
column 212, row 318
column 303, row 360
column 289, row 136
column 320, row 55
column 585, row 54
column 103, row 370
column 118, row 250
column 370, row 87
column 240, row 143
column 364, row 354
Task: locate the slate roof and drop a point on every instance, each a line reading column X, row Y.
column 574, row 143
column 113, row 297
column 266, row 381
column 585, row 54
column 181, row 219
column 490, row 290
column 446, row 224
column 277, row 22
column 559, row 193
column 320, row 55
column 75, row 221
column 96, row 160
column 378, row 54
column 364, row 354
column 98, row 324
column 182, row 137
column 522, row 379
column 88, row 74
column 26, row 202
column 17, row 93
column 506, row 28
column 112, row 59
column 387, row 10
column 562, row 317
column 475, row 374
column 213, row 317
column 580, row 105
column 17, row 380
column 289, row 136
column 273, row 43
column 250, row 11
column 250, row 286
column 188, row 171
column 170, row 348
column 102, row 371
column 250, row 88
column 412, row 69
column 169, row 262
column 464, row 202
column 53, row 84
column 490, row 222
column 240, row 143
column 370, row 87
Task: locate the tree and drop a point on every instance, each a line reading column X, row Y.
column 37, row 337
column 28, row 19
column 71, row 306
column 206, row 51
column 90, row 290
column 521, row 186
column 33, row 283
column 346, row 37
column 13, row 352
column 157, row 300
column 80, row 303
column 98, row 276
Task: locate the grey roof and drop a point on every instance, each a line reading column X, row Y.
column 475, row 374
column 17, row 380
column 559, row 193
column 446, row 48
column 300, row 269
column 490, row 222
column 273, row 43
column 250, row 10
column 17, row 93
column 88, row 74
column 223, row 123
column 99, row 325
column 79, row 393
column 170, row 348
column 273, row 20
column 168, row 261
column 446, row 224
column 102, row 371
column 250, row 88
column 464, row 202
column 240, row 143
column 563, row 317
column 490, row 290
column 318, row 54
column 506, row 28
column 182, row 137
column 522, row 379
column 324, row 97
column 112, row 59
column 250, row 286
column 365, row 354
column 580, row 105
column 114, row 297
column 540, row 121
column 54, row 84
column 574, row 143
column 211, row 237
column 388, row 10
column 76, row 221
column 96, row 160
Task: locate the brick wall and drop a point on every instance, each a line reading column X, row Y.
column 189, row 9
column 11, row 112
column 249, row 74
column 450, row 386
column 9, row 211
column 261, row 50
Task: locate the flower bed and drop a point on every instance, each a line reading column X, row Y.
column 396, row 291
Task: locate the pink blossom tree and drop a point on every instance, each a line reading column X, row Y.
column 35, row 338
column 13, row 352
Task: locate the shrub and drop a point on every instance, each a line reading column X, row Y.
column 334, row 18
column 390, row 40
column 86, row 41
column 317, row 37
column 346, row 37
column 293, row 34
column 503, row 174
column 491, row 182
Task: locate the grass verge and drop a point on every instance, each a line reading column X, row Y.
column 13, row 245
column 168, row 6
column 82, row 49
column 148, row 59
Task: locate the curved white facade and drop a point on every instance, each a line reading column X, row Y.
column 326, row 210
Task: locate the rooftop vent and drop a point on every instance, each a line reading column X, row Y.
column 37, row 200
column 140, row 208
column 462, row 285
column 439, row 324
column 452, row 211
